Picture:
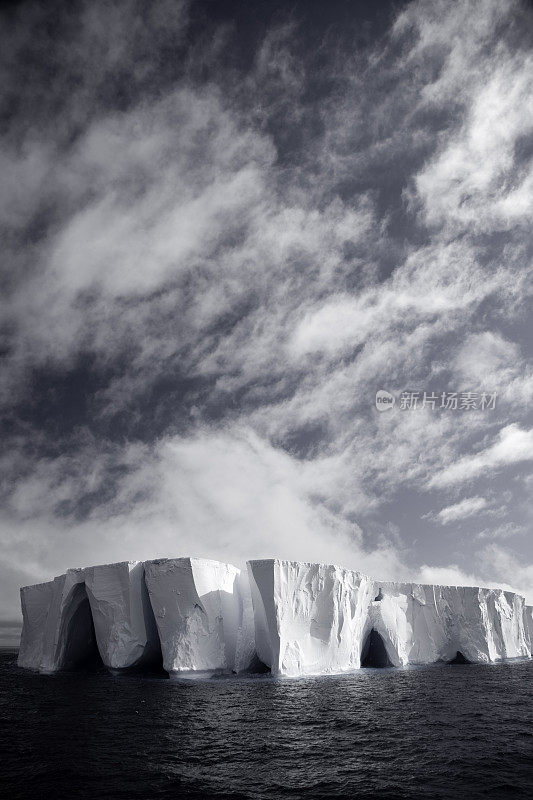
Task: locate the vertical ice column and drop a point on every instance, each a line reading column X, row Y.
column 245, row 650
column 124, row 622
column 506, row 625
column 309, row 618
column 35, row 602
column 69, row 632
column 197, row 611
column 528, row 614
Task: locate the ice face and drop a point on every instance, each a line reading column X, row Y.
column 204, row 617
column 202, row 614
column 35, row 601
column 309, row 618
column 245, row 649
column 529, row 623
column 124, row 622
column 421, row 624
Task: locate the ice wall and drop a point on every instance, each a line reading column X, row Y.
column 202, row 615
column 529, row 623
column 422, row 624
column 124, row 622
column 317, row 618
column 309, row 618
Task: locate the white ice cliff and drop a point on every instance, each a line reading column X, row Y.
column 200, row 611
column 203, row 617
column 309, row 618
column 529, row 619
column 35, row 602
column 421, row 624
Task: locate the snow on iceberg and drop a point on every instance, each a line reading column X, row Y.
column 202, row 615
column 124, row 622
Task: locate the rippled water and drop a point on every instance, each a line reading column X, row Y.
column 435, row 732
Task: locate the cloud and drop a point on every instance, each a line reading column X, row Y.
column 474, row 178
column 465, row 508
column 519, row 581
column 501, row 532
column 447, row 576
column 431, row 285
column 226, row 495
column 514, row 445
column 507, row 568
column 487, row 361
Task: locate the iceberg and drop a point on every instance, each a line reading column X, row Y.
column 202, row 617
column 423, row 624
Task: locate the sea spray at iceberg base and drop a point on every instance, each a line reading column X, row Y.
column 200, row 618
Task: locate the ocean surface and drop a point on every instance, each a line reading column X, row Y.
column 450, row 731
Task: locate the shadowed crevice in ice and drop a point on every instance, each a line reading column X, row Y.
column 256, row 667
column 81, row 650
column 374, row 653
column 459, row 658
column 152, row 662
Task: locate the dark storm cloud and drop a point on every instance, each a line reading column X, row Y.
column 225, row 227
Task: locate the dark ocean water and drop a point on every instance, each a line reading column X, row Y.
column 436, row 732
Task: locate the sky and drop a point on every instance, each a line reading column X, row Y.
column 225, row 227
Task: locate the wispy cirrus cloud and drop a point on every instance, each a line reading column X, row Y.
column 468, row 507
column 513, row 446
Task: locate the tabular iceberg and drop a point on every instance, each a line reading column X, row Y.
column 202, row 617
column 422, row 624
